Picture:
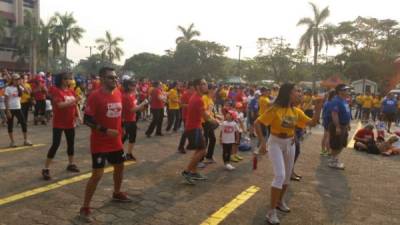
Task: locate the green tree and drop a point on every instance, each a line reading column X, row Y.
column 110, row 47
column 317, row 35
column 26, row 38
column 3, row 25
column 67, row 30
column 187, row 34
column 144, row 65
column 91, row 65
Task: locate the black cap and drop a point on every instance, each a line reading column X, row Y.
column 341, row 87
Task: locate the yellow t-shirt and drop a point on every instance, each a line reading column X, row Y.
column 263, row 104
column 223, row 94
column 376, row 103
column 165, row 87
column 359, row 99
column 307, row 102
column 284, row 120
column 25, row 97
column 367, row 102
column 208, row 105
column 173, row 99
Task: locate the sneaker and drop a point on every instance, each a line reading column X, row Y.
column 188, row 178
column 272, row 218
column 324, row 152
column 238, row 157
column 73, row 168
column 209, row 161
column 28, row 143
column 121, row 197
column 201, row 165
column 335, row 164
column 12, row 145
column 228, row 166
column 46, row 174
column 198, row 176
column 234, row 159
column 283, row 207
column 130, row 157
column 84, row 214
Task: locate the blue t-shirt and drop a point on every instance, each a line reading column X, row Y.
column 253, row 105
column 389, row 105
column 341, row 106
column 326, row 114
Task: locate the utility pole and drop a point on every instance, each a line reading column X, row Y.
column 90, row 49
column 240, row 50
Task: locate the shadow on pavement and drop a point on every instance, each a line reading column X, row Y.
column 334, row 191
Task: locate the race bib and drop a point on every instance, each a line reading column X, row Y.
column 114, row 110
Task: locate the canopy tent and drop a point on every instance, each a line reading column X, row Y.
column 235, row 80
column 331, row 82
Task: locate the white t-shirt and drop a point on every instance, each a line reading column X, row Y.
column 228, row 130
column 14, row 101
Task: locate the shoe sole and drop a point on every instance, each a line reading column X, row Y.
column 282, row 210
column 269, row 222
column 122, row 201
column 188, row 180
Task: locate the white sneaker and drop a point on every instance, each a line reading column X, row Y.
column 229, row 167
column 272, row 218
column 283, row 207
column 335, row 164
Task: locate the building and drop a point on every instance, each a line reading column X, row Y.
column 364, row 85
column 13, row 12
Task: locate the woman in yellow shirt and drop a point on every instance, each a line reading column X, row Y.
column 282, row 117
column 376, row 107
column 173, row 107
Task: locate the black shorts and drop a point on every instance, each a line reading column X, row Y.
column 390, row 117
column 309, row 113
column 196, row 139
column 130, row 131
column 338, row 142
column 99, row 159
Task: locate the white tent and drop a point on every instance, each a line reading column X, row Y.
column 235, row 80
column 363, row 85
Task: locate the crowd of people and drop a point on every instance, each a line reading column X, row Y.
column 277, row 116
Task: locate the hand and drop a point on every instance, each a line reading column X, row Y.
column 338, row 130
column 112, row 132
column 263, row 148
column 8, row 114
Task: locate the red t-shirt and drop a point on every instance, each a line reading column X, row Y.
column 128, row 102
column 106, row 110
column 63, row 118
column 38, row 90
column 156, row 103
column 195, row 112
column 144, row 88
column 365, row 133
column 185, row 100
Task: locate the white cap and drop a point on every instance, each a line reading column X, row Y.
column 126, row 77
column 41, row 74
column 258, row 92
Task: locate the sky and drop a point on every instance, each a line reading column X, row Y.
column 151, row 25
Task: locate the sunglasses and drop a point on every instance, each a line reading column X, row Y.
column 111, row 77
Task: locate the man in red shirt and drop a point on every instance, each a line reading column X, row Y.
column 194, row 131
column 184, row 104
column 364, row 137
column 157, row 103
column 39, row 92
column 103, row 116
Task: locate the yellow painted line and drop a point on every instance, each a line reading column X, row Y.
column 227, row 209
column 351, row 142
column 53, row 186
column 2, row 150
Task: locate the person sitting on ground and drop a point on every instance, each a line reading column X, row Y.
column 386, row 147
column 364, row 137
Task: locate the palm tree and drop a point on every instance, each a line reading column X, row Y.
column 49, row 42
column 67, row 30
column 109, row 47
column 317, row 34
column 187, row 34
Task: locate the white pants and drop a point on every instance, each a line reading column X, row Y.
column 281, row 153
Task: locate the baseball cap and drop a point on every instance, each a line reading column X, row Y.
column 342, row 87
column 16, row 76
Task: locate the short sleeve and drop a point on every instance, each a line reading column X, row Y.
column 268, row 116
column 90, row 108
column 302, row 119
column 334, row 106
column 7, row 91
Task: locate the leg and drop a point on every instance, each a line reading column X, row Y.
column 153, row 122
column 196, row 158
column 54, row 146
column 70, row 136
column 170, row 118
column 92, row 185
column 177, row 119
column 118, row 176
column 159, row 121
column 211, row 143
column 10, row 126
